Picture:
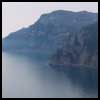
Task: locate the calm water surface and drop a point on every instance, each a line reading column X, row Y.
column 25, row 78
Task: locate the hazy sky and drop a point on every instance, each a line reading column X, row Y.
column 16, row 15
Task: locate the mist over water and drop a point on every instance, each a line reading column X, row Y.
column 25, row 78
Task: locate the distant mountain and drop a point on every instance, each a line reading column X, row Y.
column 48, row 33
column 81, row 49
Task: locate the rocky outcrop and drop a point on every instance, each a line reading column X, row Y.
column 82, row 48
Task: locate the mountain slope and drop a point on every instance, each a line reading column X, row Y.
column 81, row 50
column 48, row 33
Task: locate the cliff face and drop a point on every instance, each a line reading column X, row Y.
column 82, row 48
column 71, row 32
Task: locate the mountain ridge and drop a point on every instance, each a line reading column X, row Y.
column 49, row 33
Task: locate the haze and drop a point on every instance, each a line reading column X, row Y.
column 16, row 15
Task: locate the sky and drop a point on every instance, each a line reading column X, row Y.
column 16, row 15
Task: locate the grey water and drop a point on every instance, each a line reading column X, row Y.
column 25, row 78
